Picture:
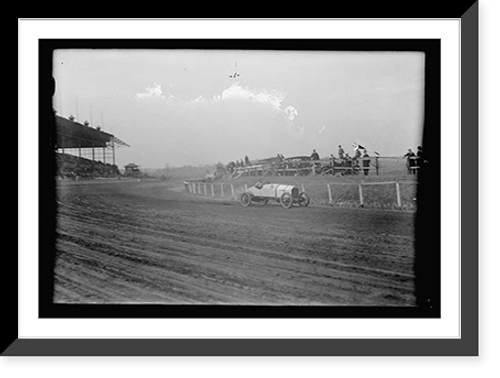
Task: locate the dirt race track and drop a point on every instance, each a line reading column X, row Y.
column 129, row 241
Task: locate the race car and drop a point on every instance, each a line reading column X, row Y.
column 285, row 195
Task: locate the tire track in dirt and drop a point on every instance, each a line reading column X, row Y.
column 139, row 242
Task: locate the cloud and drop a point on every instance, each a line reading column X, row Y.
column 155, row 92
column 272, row 98
column 198, row 100
column 291, row 112
column 235, row 91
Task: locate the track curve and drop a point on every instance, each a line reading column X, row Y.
column 137, row 242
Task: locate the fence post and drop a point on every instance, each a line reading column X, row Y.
column 213, row 193
column 205, row 188
column 398, row 195
column 232, row 191
column 221, row 190
column 376, row 165
column 329, row 193
column 361, row 202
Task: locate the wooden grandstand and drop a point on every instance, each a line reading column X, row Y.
column 84, row 151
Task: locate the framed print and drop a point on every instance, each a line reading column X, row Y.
column 257, row 195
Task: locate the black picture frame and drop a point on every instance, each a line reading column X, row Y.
column 467, row 344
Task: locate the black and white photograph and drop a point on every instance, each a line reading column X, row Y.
column 250, row 189
column 248, row 175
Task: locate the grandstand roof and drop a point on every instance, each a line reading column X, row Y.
column 71, row 134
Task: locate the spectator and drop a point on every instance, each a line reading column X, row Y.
column 366, row 163
column 314, row 155
column 410, row 161
column 348, row 164
column 420, row 156
column 420, row 152
column 341, row 152
column 357, row 155
column 247, row 161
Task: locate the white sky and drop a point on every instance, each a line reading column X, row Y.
column 181, row 107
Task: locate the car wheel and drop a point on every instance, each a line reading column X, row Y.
column 304, row 199
column 245, row 199
column 286, row 200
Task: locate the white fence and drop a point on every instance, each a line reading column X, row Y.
column 390, row 195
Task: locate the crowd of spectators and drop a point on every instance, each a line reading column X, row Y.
column 347, row 164
column 342, row 163
column 414, row 161
column 76, row 168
